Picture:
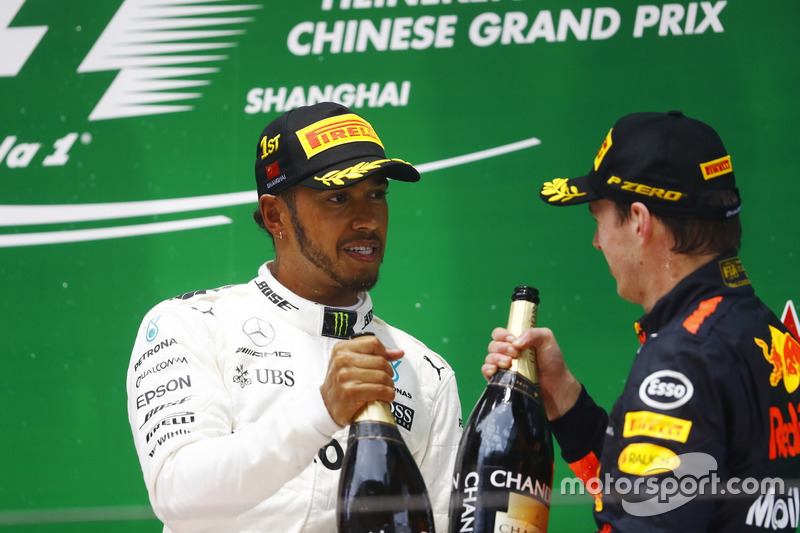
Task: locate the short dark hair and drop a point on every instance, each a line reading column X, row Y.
column 696, row 236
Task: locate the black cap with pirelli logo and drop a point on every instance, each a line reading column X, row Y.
column 671, row 163
column 323, row 146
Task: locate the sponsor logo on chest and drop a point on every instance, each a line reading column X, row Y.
column 666, row 389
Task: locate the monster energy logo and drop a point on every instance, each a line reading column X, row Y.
column 338, row 323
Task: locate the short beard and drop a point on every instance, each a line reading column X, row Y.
column 317, row 257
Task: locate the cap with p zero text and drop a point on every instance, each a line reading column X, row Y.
column 670, row 162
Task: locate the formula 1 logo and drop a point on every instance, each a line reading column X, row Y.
column 158, row 47
column 17, row 44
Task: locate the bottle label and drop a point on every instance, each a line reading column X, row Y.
column 525, row 515
column 520, row 503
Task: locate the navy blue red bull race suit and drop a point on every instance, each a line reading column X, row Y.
column 705, row 436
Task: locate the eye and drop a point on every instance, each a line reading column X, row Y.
column 338, row 198
column 379, row 194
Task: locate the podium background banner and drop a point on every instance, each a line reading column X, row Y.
column 127, row 139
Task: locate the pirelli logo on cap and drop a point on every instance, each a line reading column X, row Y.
column 716, row 168
column 601, row 153
column 335, row 131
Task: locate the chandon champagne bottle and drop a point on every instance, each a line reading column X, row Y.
column 380, row 487
column 503, row 475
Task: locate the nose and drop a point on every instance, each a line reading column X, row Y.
column 366, row 215
column 596, row 241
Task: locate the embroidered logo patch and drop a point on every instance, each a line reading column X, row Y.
column 666, row 389
column 335, row 131
column 658, row 426
column 717, row 167
column 644, row 459
column 601, row 153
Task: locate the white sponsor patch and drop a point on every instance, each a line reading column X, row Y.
column 666, row 389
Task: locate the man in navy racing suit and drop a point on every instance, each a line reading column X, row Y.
column 705, row 435
column 239, row 397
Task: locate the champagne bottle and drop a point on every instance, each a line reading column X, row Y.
column 503, row 476
column 381, row 489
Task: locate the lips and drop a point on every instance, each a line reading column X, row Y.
column 365, row 252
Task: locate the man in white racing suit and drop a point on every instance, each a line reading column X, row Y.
column 239, row 398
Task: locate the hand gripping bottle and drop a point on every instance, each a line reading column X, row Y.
column 503, row 476
column 380, row 487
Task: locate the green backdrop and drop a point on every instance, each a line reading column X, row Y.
column 127, row 137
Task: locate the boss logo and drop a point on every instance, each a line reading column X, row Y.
column 403, row 415
column 666, row 389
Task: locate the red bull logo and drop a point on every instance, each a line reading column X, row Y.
column 784, row 435
column 784, row 354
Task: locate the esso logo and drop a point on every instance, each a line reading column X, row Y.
column 666, row 389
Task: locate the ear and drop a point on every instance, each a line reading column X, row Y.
column 642, row 221
column 273, row 210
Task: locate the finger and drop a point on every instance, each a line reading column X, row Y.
column 497, row 360
column 488, row 371
column 393, row 354
column 534, row 338
column 352, row 362
column 502, row 347
column 362, row 386
column 346, row 400
column 347, row 387
column 356, row 378
column 502, row 334
column 530, row 338
column 362, row 344
column 368, row 343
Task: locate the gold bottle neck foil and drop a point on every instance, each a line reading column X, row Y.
column 375, row 411
column 521, row 317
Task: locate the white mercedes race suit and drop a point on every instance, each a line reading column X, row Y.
column 228, row 419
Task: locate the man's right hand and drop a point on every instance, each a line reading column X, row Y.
column 358, row 372
column 560, row 389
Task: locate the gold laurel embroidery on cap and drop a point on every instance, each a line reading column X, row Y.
column 559, row 191
column 357, row 171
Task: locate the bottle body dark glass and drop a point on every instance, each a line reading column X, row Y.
column 503, row 476
column 381, row 489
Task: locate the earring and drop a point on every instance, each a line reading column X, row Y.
column 280, row 235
